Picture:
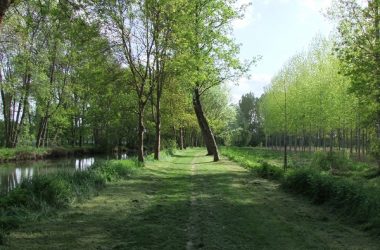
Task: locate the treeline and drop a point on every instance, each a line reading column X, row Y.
column 117, row 73
column 309, row 106
column 326, row 98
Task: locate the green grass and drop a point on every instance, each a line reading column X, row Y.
column 188, row 201
column 328, row 179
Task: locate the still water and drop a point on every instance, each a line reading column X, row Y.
column 12, row 174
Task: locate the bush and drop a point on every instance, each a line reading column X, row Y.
column 331, row 161
column 170, row 146
column 265, row 170
column 114, row 170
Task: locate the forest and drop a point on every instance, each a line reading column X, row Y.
column 150, row 82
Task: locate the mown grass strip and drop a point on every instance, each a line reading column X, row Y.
column 349, row 198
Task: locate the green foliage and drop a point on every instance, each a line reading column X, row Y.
column 116, row 169
column 22, row 153
column 357, row 46
column 255, row 163
column 170, row 146
column 248, row 130
column 331, row 161
column 265, row 170
column 33, row 153
column 309, row 95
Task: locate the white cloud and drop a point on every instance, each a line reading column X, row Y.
column 255, row 84
column 315, row 5
column 249, row 16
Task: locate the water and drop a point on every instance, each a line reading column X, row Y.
column 12, row 174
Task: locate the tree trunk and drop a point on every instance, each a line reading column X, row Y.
column 157, row 145
column 351, row 135
column 140, row 135
column 181, row 135
column 41, row 135
column 204, row 126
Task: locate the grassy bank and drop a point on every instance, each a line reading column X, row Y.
column 33, row 153
column 42, row 195
column 350, row 188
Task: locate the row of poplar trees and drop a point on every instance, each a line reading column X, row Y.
column 329, row 96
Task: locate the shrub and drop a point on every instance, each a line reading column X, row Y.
column 331, row 161
column 170, row 146
column 265, row 170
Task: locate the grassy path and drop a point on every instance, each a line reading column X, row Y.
column 190, row 202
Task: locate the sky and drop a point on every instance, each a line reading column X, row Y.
column 275, row 30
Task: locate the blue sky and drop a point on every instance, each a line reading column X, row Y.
column 276, row 30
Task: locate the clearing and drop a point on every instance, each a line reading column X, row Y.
column 190, row 202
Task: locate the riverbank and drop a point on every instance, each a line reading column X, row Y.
column 42, row 195
column 32, row 153
column 190, row 202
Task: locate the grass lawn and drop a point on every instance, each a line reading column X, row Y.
column 190, row 202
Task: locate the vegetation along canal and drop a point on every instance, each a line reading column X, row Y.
column 13, row 173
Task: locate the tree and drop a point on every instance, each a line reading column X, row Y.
column 358, row 48
column 308, row 104
column 130, row 31
column 249, row 121
column 19, row 58
column 209, row 55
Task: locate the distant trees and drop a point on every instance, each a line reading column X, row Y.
column 309, row 106
column 248, row 130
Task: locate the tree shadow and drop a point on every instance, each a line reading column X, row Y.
column 163, row 210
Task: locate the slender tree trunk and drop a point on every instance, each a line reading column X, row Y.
column 351, row 144
column 359, row 143
column 41, row 135
column 204, row 126
column 181, row 135
column 157, row 145
column 140, row 136
column 286, row 133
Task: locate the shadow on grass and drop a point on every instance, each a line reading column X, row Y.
column 154, row 211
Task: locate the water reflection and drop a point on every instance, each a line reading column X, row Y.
column 121, row 156
column 12, row 174
column 84, row 164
